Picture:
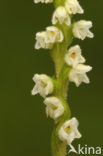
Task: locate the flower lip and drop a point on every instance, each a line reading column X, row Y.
column 41, row 41
column 54, row 35
column 78, row 74
column 74, row 57
column 43, row 85
column 60, row 15
column 81, row 29
column 68, row 131
column 54, row 107
column 73, row 7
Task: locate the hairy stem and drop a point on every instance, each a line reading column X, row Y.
column 58, row 147
column 62, row 71
column 59, row 50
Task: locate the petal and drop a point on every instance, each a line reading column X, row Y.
column 77, row 134
column 34, row 90
column 90, row 34
column 83, row 68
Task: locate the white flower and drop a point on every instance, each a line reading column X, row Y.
column 41, row 41
column 43, row 86
column 60, row 15
column 54, row 107
column 54, row 35
column 81, row 29
column 78, row 74
column 68, row 132
column 73, row 7
column 43, row 1
column 74, row 57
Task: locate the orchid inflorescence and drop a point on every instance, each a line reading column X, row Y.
column 70, row 67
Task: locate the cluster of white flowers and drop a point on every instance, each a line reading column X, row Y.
column 78, row 72
column 46, row 39
column 54, row 108
column 44, row 85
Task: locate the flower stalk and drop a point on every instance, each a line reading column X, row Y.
column 69, row 67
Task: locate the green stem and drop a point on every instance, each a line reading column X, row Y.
column 62, row 82
column 59, row 3
column 62, row 71
column 60, row 49
column 57, row 54
column 58, row 147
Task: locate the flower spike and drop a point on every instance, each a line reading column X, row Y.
column 69, row 67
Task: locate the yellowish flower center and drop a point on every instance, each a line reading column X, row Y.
column 67, row 129
column 53, row 106
column 52, row 32
column 73, row 55
column 44, row 83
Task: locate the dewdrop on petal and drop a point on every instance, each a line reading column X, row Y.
column 73, row 7
column 43, row 1
column 54, row 107
column 54, row 35
column 81, row 29
column 60, row 15
column 69, row 131
column 43, row 85
column 78, row 74
column 74, row 57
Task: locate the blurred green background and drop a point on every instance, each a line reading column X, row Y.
column 24, row 128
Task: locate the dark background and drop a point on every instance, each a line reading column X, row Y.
column 24, row 128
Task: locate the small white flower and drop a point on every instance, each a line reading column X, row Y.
column 81, row 29
column 68, row 132
column 74, row 57
column 78, row 74
column 43, row 86
column 54, row 35
column 41, row 41
column 54, row 107
column 43, row 1
column 73, row 7
column 60, row 15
